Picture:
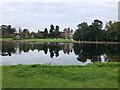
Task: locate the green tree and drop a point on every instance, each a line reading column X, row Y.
column 10, row 29
column 7, row 31
column 3, row 30
column 56, row 33
column 51, row 32
column 113, row 31
column 96, row 29
column 76, row 35
column 45, row 33
column 26, row 33
column 81, row 32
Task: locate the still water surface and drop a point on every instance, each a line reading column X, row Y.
column 13, row 53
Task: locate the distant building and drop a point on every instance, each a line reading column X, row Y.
column 18, row 37
column 68, row 33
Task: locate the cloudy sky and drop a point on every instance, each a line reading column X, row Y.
column 39, row 14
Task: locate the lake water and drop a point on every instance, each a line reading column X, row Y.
column 14, row 53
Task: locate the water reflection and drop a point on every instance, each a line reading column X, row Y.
column 97, row 52
column 83, row 52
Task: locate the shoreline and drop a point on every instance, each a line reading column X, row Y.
column 55, row 65
column 60, row 41
column 94, row 42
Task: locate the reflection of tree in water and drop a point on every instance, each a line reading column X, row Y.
column 82, row 57
column 113, row 52
column 53, row 48
column 45, row 48
column 57, row 53
column 96, row 59
column 26, row 47
column 7, row 49
column 91, row 51
column 77, row 48
column 83, row 51
column 66, row 48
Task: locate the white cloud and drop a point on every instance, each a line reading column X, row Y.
column 38, row 15
column 99, row 1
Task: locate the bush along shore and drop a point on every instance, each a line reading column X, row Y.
column 97, row 75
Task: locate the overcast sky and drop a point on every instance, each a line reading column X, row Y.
column 39, row 14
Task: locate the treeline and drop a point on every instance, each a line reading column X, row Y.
column 95, row 31
column 6, row 31
column 54, row 32
column 84, row 32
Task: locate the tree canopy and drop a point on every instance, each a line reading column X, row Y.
column 95, row 31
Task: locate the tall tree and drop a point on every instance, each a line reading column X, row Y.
column 76, row 35
column 7, row 31
column 10, row 29
column 56, row 33
column 26, row 33
column 45, row 33
column 51, row 32
column 96, row 29
column 3, row 29
column 81, row 32
column 113, row 30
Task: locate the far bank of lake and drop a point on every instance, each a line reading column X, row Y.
column 57, row 40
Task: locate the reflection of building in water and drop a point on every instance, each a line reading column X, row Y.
column 68, row 33
column 104, row 58
column 17, row 48
column 71, row 47
column 68, row 47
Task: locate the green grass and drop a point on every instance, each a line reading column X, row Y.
column 47, row 40
column 39, row 40
column 102, row 75
column 0, row 78
column 6, row 39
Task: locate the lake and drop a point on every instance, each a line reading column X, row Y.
column 14, row 53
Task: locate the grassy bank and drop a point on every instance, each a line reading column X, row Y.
column 5, row 39
column 37, row 40
column 47, row 40
column 56, row 40
column 102, row 75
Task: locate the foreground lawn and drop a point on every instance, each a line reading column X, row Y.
column 38, row 40
column 102, row 75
